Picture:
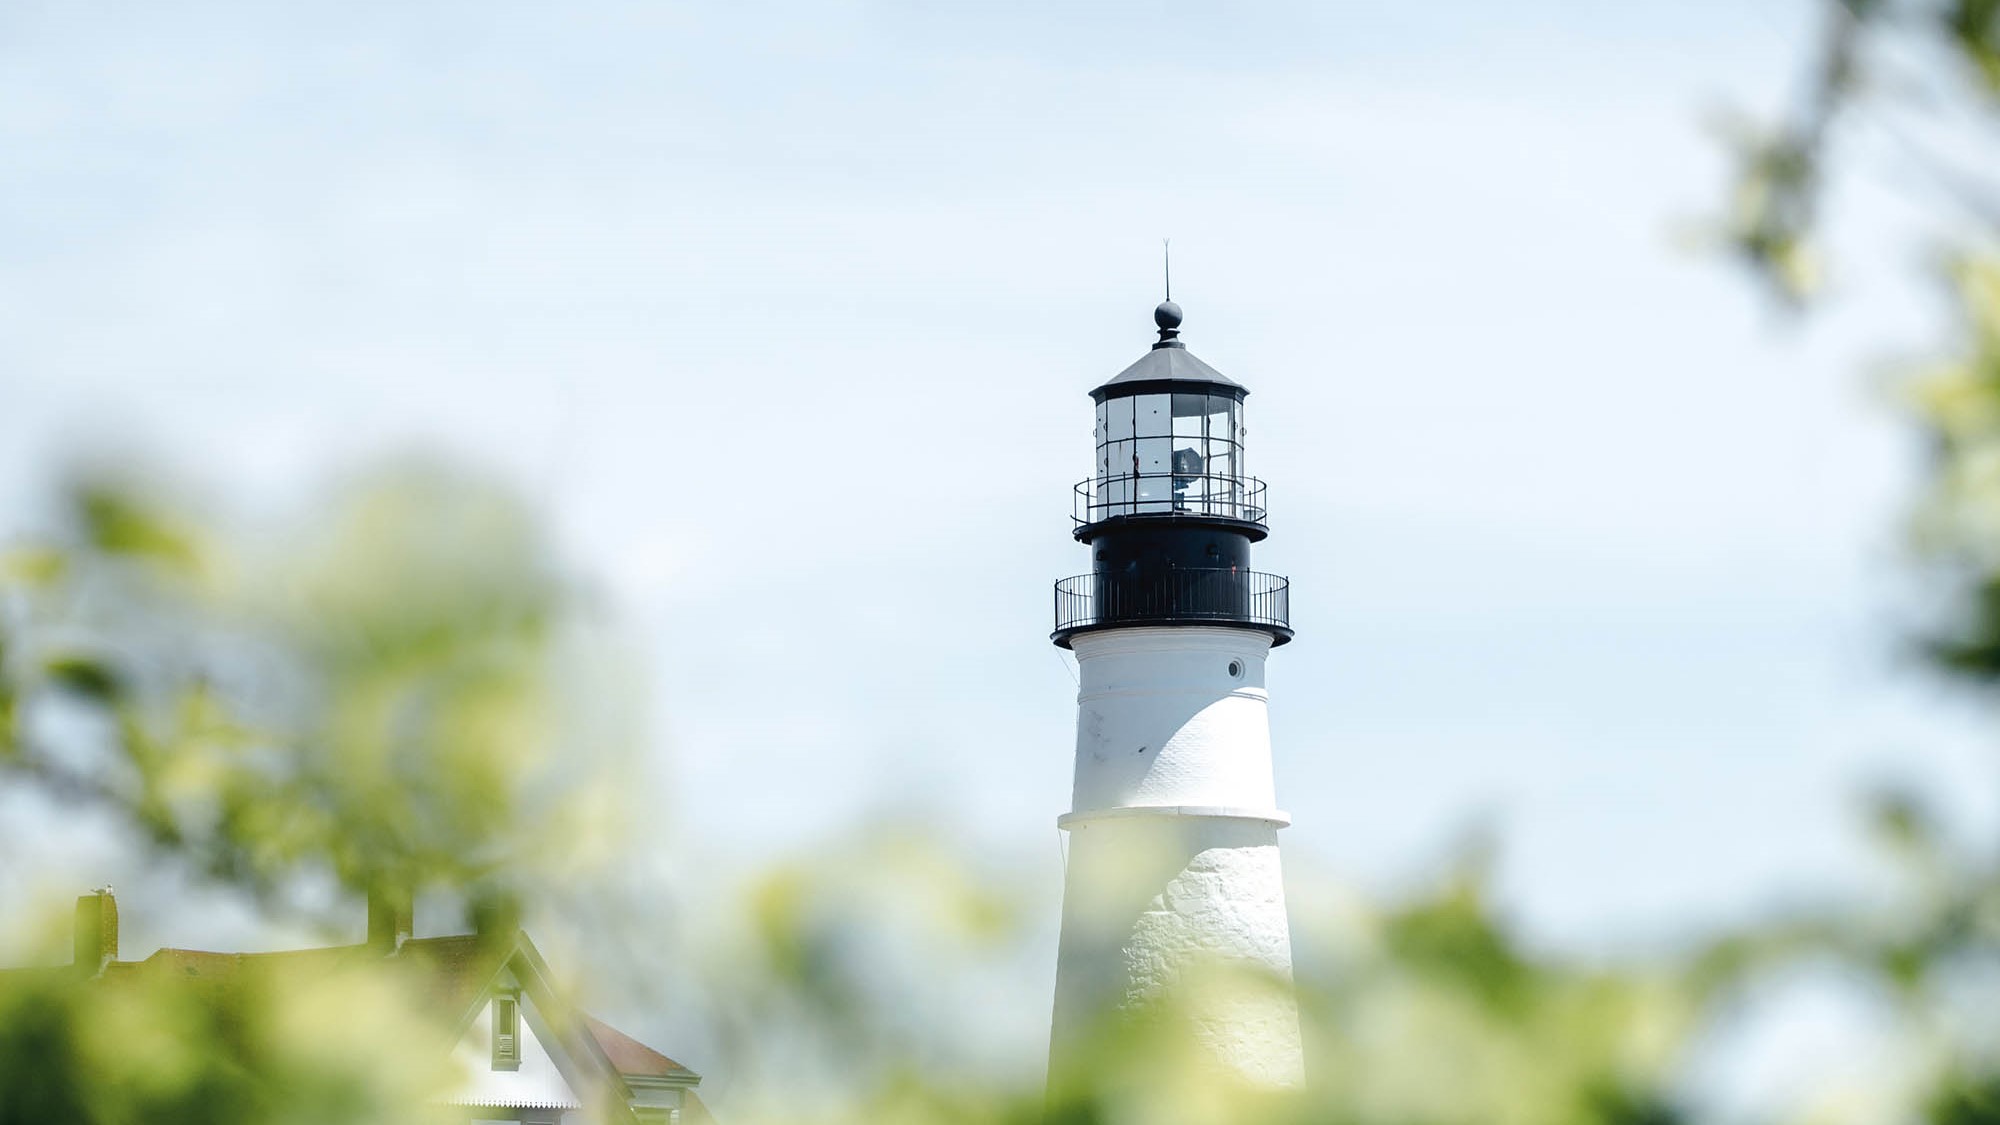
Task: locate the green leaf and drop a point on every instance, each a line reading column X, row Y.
column 85, row 676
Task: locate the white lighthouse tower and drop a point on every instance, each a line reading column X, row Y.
column 1172, row 877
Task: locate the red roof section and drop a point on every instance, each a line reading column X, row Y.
column 633, row 1058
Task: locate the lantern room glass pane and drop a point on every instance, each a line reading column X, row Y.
column 1114, row 497
column 1118, row 419
column 1222, row 465
column 1190, row 415
column 1189, row 463
column 1155, row 477
column 1222, row 419
column 1222, row 488
column 1152, row 415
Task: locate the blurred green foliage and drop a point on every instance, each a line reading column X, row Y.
column 325, row 1050
column 385, row 693
column 367, row 694
column 368, row 697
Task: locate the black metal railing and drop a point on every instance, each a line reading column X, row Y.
column 1244, row 597
column 1167, row 494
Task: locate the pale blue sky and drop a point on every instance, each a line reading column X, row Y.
column 786, row 314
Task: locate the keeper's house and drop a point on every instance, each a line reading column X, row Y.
column 526, row 1056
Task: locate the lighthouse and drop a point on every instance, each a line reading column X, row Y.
column 1171, row 879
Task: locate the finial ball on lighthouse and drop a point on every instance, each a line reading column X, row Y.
column 1168, row 315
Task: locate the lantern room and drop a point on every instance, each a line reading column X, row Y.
column 1169, row 441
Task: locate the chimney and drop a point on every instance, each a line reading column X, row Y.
column 496, row 916
column 391, row 918
column 96, row 932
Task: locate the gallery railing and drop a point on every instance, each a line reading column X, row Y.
column 1148, row 494
column 1176, row 597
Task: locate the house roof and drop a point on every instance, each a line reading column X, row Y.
column 450, row 975
column 454, row 971
column 633, row 1058
column 447, row 973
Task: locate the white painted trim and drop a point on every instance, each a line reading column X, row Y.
column 1258, row 694
column 1157, row 639
column 1276, row 818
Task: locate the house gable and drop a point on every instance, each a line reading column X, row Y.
column 543, row 1078
column 560, row 1065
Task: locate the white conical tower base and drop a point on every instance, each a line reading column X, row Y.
column 1173, row 894
column 1186, row 911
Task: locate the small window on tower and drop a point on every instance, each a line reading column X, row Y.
column 506, row 1033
